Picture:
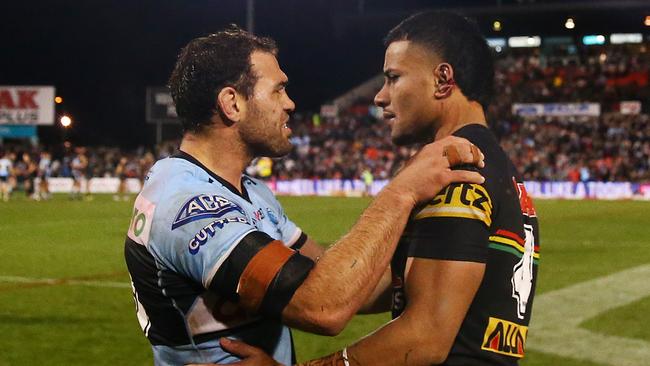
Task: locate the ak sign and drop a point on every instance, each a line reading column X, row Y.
column 26, row 105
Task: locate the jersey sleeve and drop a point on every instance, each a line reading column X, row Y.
column 454, row 225
column 216, row 245
column 291, row 234
column 204, row 231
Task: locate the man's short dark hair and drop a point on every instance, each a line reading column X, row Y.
column 459, row 42
column 208, row 64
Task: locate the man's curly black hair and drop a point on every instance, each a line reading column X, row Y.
column 208, row 64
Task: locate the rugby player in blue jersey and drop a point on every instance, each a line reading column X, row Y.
column 463, row 276
column 210, row 250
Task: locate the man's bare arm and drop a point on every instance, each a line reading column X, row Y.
column 440, row 293
column 349, row 270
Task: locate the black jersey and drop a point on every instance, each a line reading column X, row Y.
column 493, row 223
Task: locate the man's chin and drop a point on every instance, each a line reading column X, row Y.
column 275, row 151
column 404, row 140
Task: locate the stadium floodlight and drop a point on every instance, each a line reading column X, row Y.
column 58, row 100
column 620, row 38
column 524, row 41
column 66, row 121
column 593, row 39
column 496, row 26
column 569, row 24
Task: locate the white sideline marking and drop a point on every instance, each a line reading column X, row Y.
column 558, row 314
column 55, row 281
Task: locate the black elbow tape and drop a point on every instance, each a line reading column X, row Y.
column 292, row 274
column 300, row 242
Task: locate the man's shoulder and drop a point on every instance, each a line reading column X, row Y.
column 184, row 194
column 497, row 163
column 260, row 188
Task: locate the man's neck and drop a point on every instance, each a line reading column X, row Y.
column 459, row 112
column 223, row 155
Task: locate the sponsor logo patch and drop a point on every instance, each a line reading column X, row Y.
column 202, row 207
column 140, row 226
column 272, row 217
column 209, row 231
column 505, row 338
column 470, row 201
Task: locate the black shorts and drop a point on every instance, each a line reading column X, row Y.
column 4, row 178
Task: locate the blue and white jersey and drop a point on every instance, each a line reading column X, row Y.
column 5, row 167
column 189, row 245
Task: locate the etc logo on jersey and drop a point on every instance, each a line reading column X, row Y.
column 202, row 207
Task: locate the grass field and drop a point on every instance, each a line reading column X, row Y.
column 64, row 299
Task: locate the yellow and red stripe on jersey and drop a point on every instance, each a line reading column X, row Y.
column 469, row 201
column 512, row 243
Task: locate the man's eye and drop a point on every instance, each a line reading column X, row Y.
column 392, row 77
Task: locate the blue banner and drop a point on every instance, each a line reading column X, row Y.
column 20, row 131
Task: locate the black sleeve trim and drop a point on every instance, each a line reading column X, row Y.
column 285, row 284
column 449, row 239
column 300, row 242
column 227, row 277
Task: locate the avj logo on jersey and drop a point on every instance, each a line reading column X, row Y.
column 202, row 207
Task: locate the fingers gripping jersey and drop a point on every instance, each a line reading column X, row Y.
column 207, row 261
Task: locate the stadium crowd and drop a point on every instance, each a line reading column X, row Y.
column 613, row 146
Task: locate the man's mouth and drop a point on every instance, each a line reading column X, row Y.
column 388, row 116
column 285, row 126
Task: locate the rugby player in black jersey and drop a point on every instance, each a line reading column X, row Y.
column 464, row 274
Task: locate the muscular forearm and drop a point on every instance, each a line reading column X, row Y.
column 350, row 269
column 401, row 342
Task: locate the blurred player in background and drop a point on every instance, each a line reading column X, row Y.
column 44, row 172
column 79, row 168
column 464, row 274
column 29, row 173
column 6, row 175
column 120, row 173
column 211, row 252
column 368, row 179
column 146, row 162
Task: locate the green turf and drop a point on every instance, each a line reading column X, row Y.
column 629, row 321
column 77, row 325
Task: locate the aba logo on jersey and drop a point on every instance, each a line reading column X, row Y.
column 209, row 230
column 504, row 337
column 202, row 207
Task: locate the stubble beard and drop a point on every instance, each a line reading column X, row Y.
column 419, row 134
column 263, row 137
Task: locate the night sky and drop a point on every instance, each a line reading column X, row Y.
column 101, row 55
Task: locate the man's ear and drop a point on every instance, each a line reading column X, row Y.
column 230, row 105
column 444, row 76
